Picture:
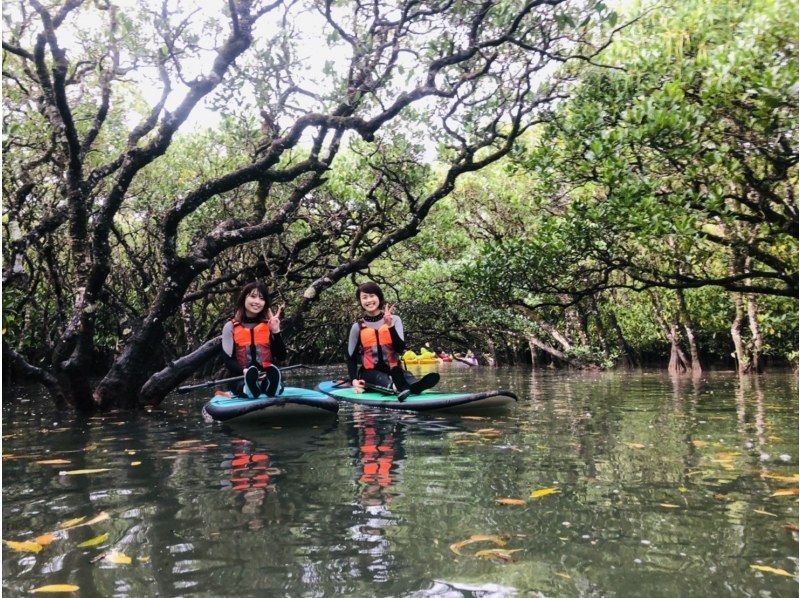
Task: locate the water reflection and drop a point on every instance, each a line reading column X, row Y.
column 377, row 442
column 664, row 486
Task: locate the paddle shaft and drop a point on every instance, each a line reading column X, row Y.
column 183, row 389
column 380, row 389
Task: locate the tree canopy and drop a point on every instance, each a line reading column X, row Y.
column 122, row 227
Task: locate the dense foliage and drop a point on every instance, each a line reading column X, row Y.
column 128, row 223
column 655, row 212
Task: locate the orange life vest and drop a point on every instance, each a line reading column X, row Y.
column 252, row 345
column 377, row 345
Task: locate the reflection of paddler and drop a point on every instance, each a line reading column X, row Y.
column 380, row 451
column 249, row 471
column 376, row 459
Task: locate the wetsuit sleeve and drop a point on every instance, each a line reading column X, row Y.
column 277, row 347
column 398, row 336
column 353, row 344
column 227, row 349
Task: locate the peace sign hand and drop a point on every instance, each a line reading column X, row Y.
column 274, row 319
column 388, row 316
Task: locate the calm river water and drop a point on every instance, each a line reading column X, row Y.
column 621, row 484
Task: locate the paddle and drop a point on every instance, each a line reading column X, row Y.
column 379, row 389
column 185, row 389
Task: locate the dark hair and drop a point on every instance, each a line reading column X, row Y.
column 246, row 290
column 372, row 289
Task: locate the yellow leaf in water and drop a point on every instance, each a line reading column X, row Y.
column 635, row 445
column 487, row 431
column 130, row 452
column 699, row 443
column 516, row 502
column 543, row 492
column 766, row 569
column 96, row 541
column 728, row 455
column 82, row 471
column 143, row 559
column 26, row 546
column 683, row 489
column 45, row 539
column 668, row 505
column 71, row 523
column 462, row 417
column 564, row 575
column 55, row 462
column 764, row 513
column 494, row 539
column 498, row 553
column 785, row 492
column 186, row 442
column 102, row 516
column 118, row 558
column 60, row 587
column 781, row 478
column 135, row 463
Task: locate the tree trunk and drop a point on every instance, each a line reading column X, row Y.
column 123, row 382
column 162, row 382
column 601, row 331
column 683, row 313
column 577, row 325
column 736, row 334
column 534, row 350
column 492, row 351
column 623, row 348
column 754, row 363
column 677, row 360
column 553, row 331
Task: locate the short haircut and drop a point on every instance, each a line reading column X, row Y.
column 371, row 289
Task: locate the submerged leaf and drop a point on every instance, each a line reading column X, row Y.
column 102, row 516
column 498, row 553
column 766, row 569
column 59, row 587
column 782, row 478
column 764, row 513
column 668, row 505
column 118, row 558
column 544, row 492
column 785, row 492
column 635, row 445
column 26, row 546
column 71, row 522
column 516, row 502
column 94, row 541
column 494, row 539
column 45, row 539
column 83, row 471
column 55, row 462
